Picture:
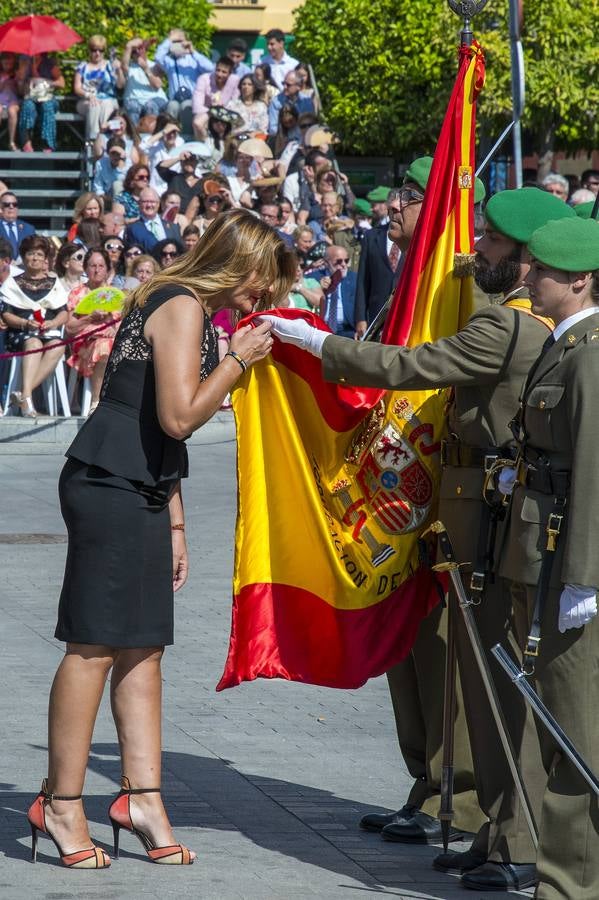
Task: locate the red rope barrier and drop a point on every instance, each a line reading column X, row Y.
column 64, row 343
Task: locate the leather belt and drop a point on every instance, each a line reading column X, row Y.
column 456, row 454
column 543, row 479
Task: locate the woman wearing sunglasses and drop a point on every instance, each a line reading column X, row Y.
column 96, row 82
column 115, row 249
column 69, row 266
column 136, row 179
column 166, row 252
column 132, row 251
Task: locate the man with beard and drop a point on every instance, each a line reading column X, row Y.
column 486, row 364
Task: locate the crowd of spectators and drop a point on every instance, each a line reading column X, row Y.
column 177, row 138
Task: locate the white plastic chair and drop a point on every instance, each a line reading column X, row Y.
column 54, row 388
column 86, row 391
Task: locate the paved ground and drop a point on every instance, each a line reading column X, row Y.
column 266, row 781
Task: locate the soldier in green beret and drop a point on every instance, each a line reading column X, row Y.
column 377, row 197
column 487, row 363
column 551, row 545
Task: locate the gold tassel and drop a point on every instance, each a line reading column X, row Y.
column 463, row 264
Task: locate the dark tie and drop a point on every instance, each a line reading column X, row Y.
column 13, row 237
column 332, row 312
column 394, row 256
column 549, row 342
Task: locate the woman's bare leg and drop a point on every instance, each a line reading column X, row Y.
column 50, row 358
column 30, row 366
column 13, row 117
column 74, row 700
column 97, row 378
column 136, row 699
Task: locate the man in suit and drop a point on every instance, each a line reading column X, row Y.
column 150, row 228
column 486, row 363
column 339, row 286
column 12, row 227
column 557, row 488
column 379, row 268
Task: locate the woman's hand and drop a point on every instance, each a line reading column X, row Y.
column 252, row 343
column 180, row 559
column 98, row 316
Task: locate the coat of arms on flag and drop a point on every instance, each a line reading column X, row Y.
column 337, row 484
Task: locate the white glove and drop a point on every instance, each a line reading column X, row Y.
column 577, row 606
column 506, row 480
column 296, row 332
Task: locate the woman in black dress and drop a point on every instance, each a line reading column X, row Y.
column 121, row 500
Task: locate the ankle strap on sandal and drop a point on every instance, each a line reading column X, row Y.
column 141, row 790
column 48, row 795
column 127, row 789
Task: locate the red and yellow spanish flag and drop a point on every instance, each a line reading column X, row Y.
column 336, row 484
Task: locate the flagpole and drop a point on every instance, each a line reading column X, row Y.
column 467, row 9
column 517, row 62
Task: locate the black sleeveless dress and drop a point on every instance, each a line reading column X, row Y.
column 114, row 490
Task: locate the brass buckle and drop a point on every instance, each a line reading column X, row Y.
column 554, row 523
column 489, row 461
column 534, row 649
column 477, row 581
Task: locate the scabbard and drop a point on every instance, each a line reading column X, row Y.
column 465, row 606
column 518, row 677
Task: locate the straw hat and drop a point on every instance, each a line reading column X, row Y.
column 256, row 148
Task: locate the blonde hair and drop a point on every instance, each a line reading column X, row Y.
column 333, row 197
column 237, row 247
column 142, row 258
column 82, row 201
column 97, row 39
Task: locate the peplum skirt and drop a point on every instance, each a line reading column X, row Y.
column 118, row 581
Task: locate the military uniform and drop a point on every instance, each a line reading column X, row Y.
column 561, row 435
column 486, row 363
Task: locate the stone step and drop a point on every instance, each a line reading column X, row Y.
column 48, row 194
column 38, row 155
column 47, row 174
column 46, row 212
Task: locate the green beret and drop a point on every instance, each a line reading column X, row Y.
column 420, row 169
column 571, row 245
column 363, row 207
column 520, row 212
column 378, row 194
column 584, row 210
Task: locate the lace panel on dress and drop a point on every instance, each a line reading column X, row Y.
column 131, row 344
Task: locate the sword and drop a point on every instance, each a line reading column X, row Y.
column 449, row 710
column 518, row 677
column 465, row 604
column 377, row 323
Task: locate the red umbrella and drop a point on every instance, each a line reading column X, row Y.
column 36, row 34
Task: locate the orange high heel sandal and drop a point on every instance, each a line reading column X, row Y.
column 120, row 816
column 90, row 858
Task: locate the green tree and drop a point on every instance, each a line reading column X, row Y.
column 385, row 70
column 120, row 21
